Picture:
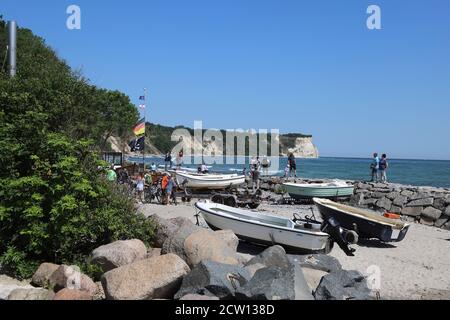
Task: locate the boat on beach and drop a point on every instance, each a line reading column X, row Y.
column 207, row 181
column 367, row 224
column 333, row 189
column 295, row 235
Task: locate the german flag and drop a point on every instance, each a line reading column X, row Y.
column 139, row 129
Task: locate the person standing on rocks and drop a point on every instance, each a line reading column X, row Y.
column 292, row 165
column 374, row 167
column 383, row 168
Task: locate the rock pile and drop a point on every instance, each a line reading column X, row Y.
column 429, row 206
column 192, row 263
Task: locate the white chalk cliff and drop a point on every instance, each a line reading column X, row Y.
column 303, row 148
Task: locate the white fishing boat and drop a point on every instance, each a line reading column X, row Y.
column 268, row 229
column 207, row 181
column 319, row 190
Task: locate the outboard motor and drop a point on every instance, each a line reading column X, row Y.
column 341, row 236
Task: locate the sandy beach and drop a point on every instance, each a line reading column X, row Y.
column 416, row 268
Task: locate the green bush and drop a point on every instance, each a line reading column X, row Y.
column 63, row 210
column 55, row 205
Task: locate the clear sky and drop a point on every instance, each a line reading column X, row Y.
column 297, row 66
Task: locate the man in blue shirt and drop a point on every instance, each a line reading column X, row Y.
column 375, row 166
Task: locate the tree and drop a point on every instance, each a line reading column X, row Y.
column 55, row 204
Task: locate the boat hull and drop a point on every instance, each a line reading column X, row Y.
column 366, row 228
column 291, row 239
column 309, row 192
column 211, row 182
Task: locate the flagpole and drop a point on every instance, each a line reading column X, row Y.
column 145, row 125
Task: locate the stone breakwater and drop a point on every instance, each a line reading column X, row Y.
column 426, row 205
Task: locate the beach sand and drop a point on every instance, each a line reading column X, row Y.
column 416, row 268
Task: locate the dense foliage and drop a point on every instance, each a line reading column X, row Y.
column 55, row 204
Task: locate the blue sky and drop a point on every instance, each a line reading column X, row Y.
column 297, row 66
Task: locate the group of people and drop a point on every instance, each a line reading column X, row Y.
column 144, row 180
column 166, row 183
column 378, row 168
column 256, row 166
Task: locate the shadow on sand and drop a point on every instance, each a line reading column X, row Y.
column 250, row 248
column 254, row 249
column 374, row 243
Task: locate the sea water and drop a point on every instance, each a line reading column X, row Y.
column 435, row 173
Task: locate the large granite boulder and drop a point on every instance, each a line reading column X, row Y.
column 412, row 211
column 420, row 194
column 384, row 203
column 71, row 278
column 206, row 245
column 364, row 186
column 153, row 252
column 228, row 237
column 439, row 223
column 270, row 283
column 31, row 294
column 343, row 285
column 439, row 203
column 369, row 202
column 215, row 279
column 8, row 285
column 72, row 295
column 446, row 226
column 118, row 253
column 421, row 202
column 407, row 193
column 400, row 201
column 175, row 243
column 154, row 278
column 393, row 195
column 274, row 256
column 42, row 275
column 164, row 229
column 431, row 213
column 447, row 211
